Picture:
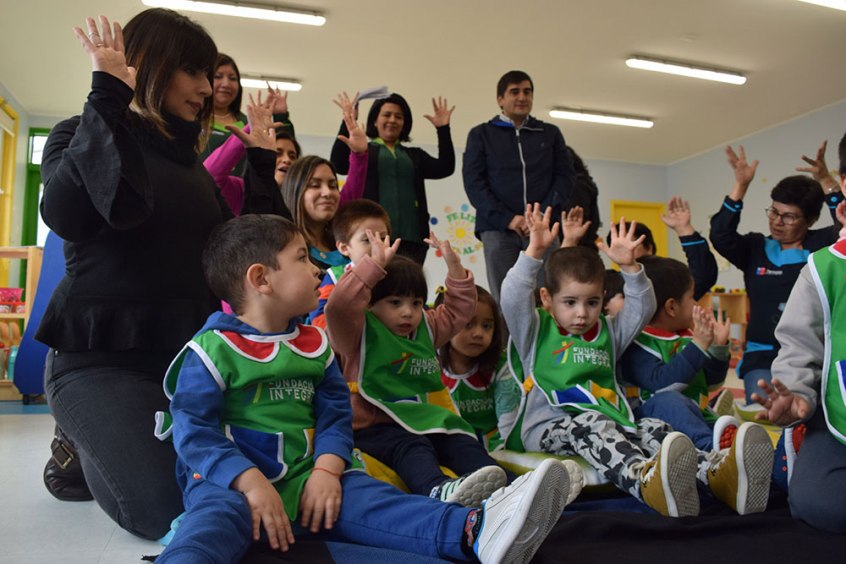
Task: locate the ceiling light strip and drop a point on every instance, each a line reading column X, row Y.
column 836, row 4
column 242, row 10
column 262, row 82
column 682, row 69
column 603, row 118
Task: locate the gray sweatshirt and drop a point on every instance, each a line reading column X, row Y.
column 802, row 337
column 518, row 308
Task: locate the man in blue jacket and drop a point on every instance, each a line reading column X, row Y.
column 509, row 162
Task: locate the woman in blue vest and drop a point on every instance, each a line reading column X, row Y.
column 771, row 263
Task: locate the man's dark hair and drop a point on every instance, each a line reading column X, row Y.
column 670, row 278
column 512, row 77
column 237, row 244
column 394, row 98
column 801, row 191
column 404, row 278
column 580, row 264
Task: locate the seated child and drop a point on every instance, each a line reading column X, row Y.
column 808, row 382
column 350, row 230
column 469, row 363
column 261, row 426
column 569, row 350
column 402, row 413
column 671, row 369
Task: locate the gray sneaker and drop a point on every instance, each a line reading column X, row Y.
column 470, row 490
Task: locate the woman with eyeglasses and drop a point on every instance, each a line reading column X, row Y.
column 771, row 263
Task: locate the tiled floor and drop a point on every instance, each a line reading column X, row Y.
column 36, row 527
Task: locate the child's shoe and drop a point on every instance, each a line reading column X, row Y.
column 723, row 404
column 786, row 451
column 742, row 478
column 668, row 480
column 516, row 519
column 577, row 479
column 725, row 430
column 470, row 490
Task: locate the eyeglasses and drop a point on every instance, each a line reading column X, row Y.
column 787, row 218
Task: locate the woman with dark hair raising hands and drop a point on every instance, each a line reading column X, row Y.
column 124, row 188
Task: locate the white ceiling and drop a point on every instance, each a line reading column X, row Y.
column 574, row 50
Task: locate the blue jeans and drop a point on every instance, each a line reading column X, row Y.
column 682, row 414
column 417, row 458
column 501, row 251
column 217, row 526
column 750, row 382
column 818, row 484
column 106, row 404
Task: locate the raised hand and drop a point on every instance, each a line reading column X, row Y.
column 703, row 327
column 442, row 114
column 541, row 235
column 262, row 131
column 623, row 245
column 677, row 217
column 744, row 172
column 781, row 406
column 347, row 105
column 573, row 226
column 381, row 251
column 106, row 49
column 455, row 269
column 357, row 140
column 818, row 169
column 277, row 100
column 722, row 329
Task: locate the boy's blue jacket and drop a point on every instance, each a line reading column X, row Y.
column 201, row 445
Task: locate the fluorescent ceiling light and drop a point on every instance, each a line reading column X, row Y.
column 595, row 117
column 836, row 4
column 682, row 69
column 242, row 10
column 261, row 82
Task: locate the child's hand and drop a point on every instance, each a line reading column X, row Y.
column 540, row 234
column 840, row 213
column 573, row 226
column 623, row 245
column 267, row 508
column 677, row 217
column 781, row 406
column 703, row 327
column 381, row 251
column 722, row 329
column 321, row 501
column 455, row 269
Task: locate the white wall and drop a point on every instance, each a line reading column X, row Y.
column 702, row 179
column 706, row 179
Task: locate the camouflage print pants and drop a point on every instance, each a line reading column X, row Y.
column 616, row 452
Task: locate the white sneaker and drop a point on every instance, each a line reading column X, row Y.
column 470, row 490
column 577, row 479
column 516, row 519
column 725, row 430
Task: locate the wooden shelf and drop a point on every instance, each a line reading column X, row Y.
column 32, row 256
